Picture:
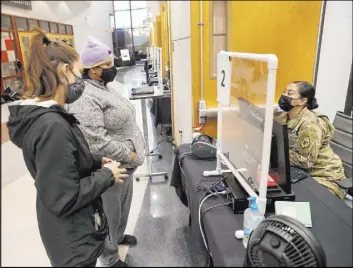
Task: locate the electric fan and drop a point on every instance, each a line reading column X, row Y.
column 281, row 241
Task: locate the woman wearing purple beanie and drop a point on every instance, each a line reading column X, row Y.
column 108, row 122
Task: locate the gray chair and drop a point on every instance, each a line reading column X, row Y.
column 342, row 145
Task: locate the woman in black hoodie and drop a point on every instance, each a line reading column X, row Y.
column 68, row 179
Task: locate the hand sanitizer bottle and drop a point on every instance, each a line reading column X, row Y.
column 252, row 218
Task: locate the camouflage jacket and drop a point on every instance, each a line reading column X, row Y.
column 309, row 136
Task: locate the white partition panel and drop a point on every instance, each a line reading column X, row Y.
column 180, row 19
column 181, row 71
column 182, row 91
column 245, row 93
column 158, row 65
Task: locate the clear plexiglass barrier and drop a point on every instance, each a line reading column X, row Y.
column 155, row 55
column 158, row 68
column 245, row 93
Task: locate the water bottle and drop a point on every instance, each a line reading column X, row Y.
column 252, row 218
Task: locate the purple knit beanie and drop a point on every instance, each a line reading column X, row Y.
column 95, row 53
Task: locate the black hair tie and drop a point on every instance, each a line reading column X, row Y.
column 46, row 41
column 313, row 105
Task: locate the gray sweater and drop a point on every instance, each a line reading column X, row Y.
column 108, row 122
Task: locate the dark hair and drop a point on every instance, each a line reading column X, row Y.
column 306, row 90
column 45, row 57
column 85, row 74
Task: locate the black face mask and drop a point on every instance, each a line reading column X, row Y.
column 109, row 74
column 75, row 90
column 284, row 103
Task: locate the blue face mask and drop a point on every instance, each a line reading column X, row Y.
column 75, row 90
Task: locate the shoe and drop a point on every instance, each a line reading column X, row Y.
column 128, row 240
column 120, row 263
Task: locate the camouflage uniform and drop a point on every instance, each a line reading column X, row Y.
column 309, row 142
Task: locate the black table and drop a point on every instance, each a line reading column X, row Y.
column 162, row 111
column 331, row 218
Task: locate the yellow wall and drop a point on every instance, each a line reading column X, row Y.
column 286, row 28
column 209, row 85
column 151, row 35
column 154, row 34
column 157, row 31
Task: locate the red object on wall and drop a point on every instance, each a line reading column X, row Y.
column 9, row 44
column 4, row 57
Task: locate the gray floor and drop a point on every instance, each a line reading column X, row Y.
column 121, row 73
column 162, row 227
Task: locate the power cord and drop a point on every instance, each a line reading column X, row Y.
column 215, row 206
column 181, row 158
column 167, row 140
column 208, row 209
column 200, row 206
column 165, row 137
column 213, row 185
column 201, row 201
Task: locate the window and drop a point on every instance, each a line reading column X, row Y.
column 21, row 24
column 140, row 39
column 44, row 25
column 138, row 17
column 53, row 27
column 138, row 4
column 131, row 25
column 8, row 54
column 6, row 22
column 32, row 24
column 121, row 5
column 62, row 29
column 122, row 19
column 218, row 33
column 111, row 19
column 69, row 30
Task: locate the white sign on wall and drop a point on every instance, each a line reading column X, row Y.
column 224, row 72
column 125, row 55
column 19, row 4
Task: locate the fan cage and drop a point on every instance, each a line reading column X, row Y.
column 297, row 253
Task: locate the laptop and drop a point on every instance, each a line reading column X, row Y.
column 142, row 90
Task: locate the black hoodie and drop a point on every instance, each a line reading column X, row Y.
column 68, row 183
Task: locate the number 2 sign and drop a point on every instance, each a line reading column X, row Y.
column 223, row 78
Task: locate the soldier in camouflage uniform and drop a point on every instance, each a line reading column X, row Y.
column 309, row 137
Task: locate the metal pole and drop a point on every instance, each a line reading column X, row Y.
column 132, row 33
column 201, row 51
column 319, row 41
column 115, row 34
column 348, row 107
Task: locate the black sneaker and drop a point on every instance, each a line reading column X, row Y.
column 120, row 263
column 128, row 240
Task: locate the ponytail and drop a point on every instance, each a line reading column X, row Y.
column 307, row 91
column 313, row 104
column 45, row 57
